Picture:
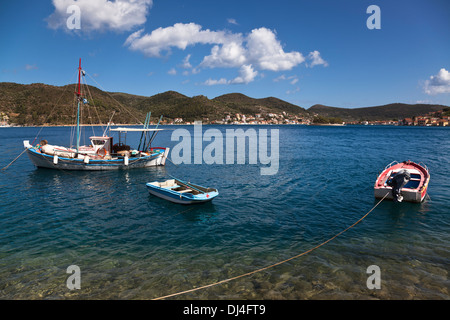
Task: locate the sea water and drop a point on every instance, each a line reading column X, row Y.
column 129, row 244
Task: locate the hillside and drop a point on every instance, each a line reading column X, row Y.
column 37, row 103
column 247, row 105
column 393, row 111
column 32, row 104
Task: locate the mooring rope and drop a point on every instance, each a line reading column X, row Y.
column 6, row 167
column 275, row 264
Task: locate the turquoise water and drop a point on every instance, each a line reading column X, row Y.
column 131, row 245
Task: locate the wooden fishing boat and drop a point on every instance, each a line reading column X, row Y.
column 101, row 154
column 182, row 192
column 404, row 181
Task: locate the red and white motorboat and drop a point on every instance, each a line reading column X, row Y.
column 404, row 181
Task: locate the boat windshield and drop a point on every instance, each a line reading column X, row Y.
column 98, row 142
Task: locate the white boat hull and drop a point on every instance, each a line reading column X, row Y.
column 176, row 200
column 408, row 196
column 171, row 190
column 42, row 160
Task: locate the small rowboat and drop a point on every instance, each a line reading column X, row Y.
column 405, row 181
column 182, row 192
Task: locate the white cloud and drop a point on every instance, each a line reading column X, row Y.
column 172, row 72
column 229, row 55
column 186, row 64
column 267, row 53
column 246, row 75
column 439, row 83
column 232, row 21
column 316, row 59
column 293, row 79
column 211, row 82
column 257, row 51
column 29, row 67
column 101, row 15
column 280, row 78
column 179, row 35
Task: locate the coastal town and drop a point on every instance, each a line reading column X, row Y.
column 435, row 119
column 259, row 118
column 432, row 119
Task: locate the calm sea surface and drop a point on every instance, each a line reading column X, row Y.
column 129, row 244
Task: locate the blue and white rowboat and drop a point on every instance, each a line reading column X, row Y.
column 178, row 191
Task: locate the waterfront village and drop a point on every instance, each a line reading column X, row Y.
column 431, row 119
column 259, row 118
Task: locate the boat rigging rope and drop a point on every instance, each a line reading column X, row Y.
column 39, row 132
column 91, row 100
column 139, row 121
column 275, row 264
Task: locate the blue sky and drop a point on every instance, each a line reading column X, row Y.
column 304, row 52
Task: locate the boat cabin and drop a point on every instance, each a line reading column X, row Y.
column 101, row 143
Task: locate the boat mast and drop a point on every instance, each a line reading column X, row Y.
column 78, row 93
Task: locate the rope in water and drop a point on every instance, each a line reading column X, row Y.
column 6, row 167
column 275, row 264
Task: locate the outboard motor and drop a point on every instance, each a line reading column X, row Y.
column 397, row 182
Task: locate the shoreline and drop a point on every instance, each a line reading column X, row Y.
column 228, row 124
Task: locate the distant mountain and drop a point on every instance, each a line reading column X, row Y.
column 393, row 111
column 37, row 103
column 247, row 105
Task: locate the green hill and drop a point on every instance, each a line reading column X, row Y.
column 393, row 111
column 37, row 103
column 243, row 104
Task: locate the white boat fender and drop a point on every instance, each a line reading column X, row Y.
column 55, row 159
column 125, row 160
column 86, row 159
column 26, row 144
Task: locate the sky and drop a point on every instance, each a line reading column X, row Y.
column 337, row 53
